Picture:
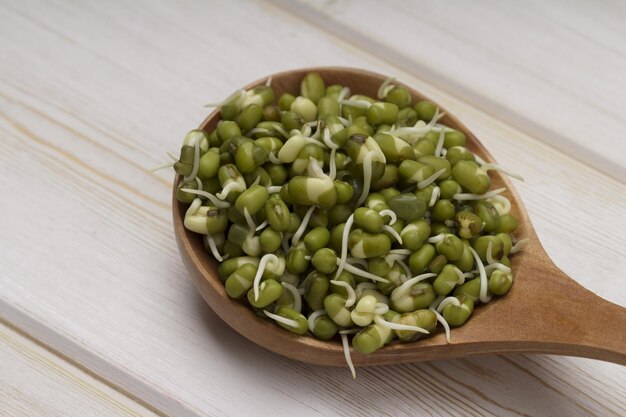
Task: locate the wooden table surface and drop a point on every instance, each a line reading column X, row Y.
column 97, row 314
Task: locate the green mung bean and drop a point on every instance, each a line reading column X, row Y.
column 362, row 214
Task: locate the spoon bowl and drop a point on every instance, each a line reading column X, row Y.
column 544, row 312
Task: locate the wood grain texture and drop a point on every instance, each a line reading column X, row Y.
column 561, row 326
column 36, row 383
column 91, row 95
column 552, row 69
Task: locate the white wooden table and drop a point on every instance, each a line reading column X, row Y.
column 97, row 314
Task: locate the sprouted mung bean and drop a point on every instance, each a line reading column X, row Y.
column 340, row 215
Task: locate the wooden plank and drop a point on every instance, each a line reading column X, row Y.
column 36, row 383
column 92, row 94
column 551, row 69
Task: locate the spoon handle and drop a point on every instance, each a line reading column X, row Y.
column 573, row 320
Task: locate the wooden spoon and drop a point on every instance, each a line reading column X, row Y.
column 544, row 312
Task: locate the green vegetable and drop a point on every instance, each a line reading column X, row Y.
column 457, row 315
column 366, row 215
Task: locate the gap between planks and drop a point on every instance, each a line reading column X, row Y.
column 99, row 369
column 51, row 365
column 378, row 51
